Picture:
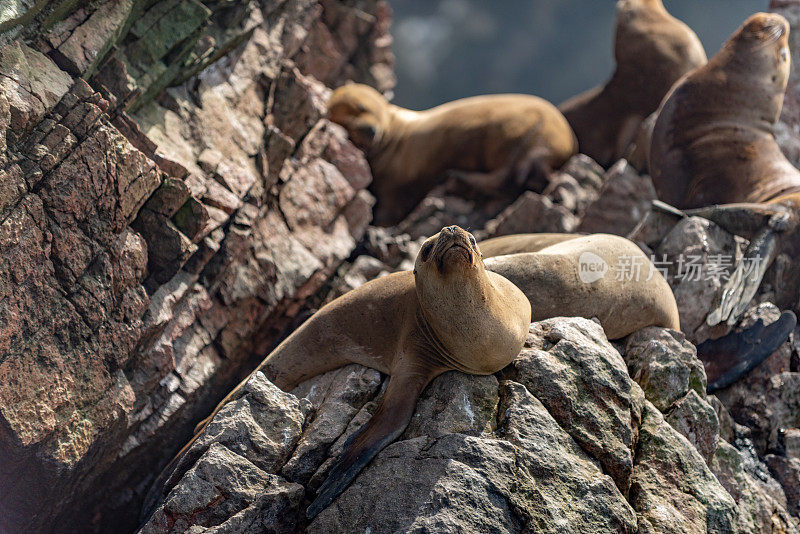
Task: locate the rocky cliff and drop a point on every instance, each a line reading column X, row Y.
column 577, row 433
column 173, row 202
column 170, row 196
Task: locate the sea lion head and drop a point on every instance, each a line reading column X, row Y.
column 760, row 49
column 477, row 318
column 362, row 111
column 451, row 250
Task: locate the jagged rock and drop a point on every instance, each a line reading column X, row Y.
column 338, row 397
column 576, row 185
column 665, row 365
column 761, row 510
column 247, row 426
column 791, row 443
column 525, row 450
column 456, row 403
column 623, row 200
column 697, row 421
column 397, row 251
column 468, row 484
column 251, row 501
column 691, row 500
column 31, row 83
column 765, row 405
column 697, row 256
column 184, row 202
column 726, row 423
column 440, row 209
column 532, row 213
column 571, row 359
column 787, row 472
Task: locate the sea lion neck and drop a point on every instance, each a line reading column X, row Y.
column 470, row 321
column 397, row 122
column 750, row 93
column 436, row 351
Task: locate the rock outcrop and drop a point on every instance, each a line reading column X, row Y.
column 170, row 197
column 561, row 440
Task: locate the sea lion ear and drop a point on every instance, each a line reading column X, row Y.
column 426, row 250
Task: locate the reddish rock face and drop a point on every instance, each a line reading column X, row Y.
column 153, row 240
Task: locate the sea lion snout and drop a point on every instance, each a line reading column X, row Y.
column 451, row 246
column 765, row 27
column 361, row 110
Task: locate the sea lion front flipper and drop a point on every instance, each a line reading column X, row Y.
column 385, row 426
column 729, row 358
column 745, row 279
column 745, row 219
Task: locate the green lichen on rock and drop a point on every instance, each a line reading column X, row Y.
column 672, row 488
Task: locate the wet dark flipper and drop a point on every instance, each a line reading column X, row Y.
column 744, row 219
column 385, row 426
column 731, row 357
column 745, row 280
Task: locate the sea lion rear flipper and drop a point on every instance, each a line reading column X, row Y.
column 745, row 279
column 385, row 426
column 729, row 358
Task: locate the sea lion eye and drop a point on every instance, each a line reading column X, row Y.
column 472, row 240
column 426, row 251
column 784, row 53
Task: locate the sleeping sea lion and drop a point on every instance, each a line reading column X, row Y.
column 625, row 301
column 490, row 142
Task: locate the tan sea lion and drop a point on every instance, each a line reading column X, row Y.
column 544, row 267
column 713, row 144
column 451, row 312
column 652, row 50
column 490, row 142
column 594, row 276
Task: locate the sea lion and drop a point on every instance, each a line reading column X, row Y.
column 594, row 276
column 652, row 50
column 713, row 141
column 490, row 142
column 449, row 313
column 452, row 312
column 544, row 267
column 713, row 144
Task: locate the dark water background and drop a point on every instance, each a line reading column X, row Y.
column 551, row 48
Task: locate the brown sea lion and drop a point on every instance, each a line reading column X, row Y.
column 713, row 149
column 594, row 276
column 544, row 267
column 449, row 313
column 713, row 141
column 452, row 312
column 652, row 50
column 490, row 142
